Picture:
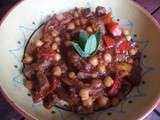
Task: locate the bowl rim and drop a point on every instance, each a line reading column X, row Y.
column 30, row 117
column 156, row 102
column 2, row 91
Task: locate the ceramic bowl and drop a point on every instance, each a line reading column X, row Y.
column 20, row 23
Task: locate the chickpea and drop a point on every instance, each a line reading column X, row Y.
column 27, row 59
column 81, row 75
column 83, row 21
column 71, row 26
column 106, row 64
column 26, row 54
column 58, row 50
column 77, row 22
column 50, row 27
column 28, row 84
column 108, row 81
column 128, row 37
column 133, row 51
column 38, row 43
column 101, row 68
column 125, row 31
column 54, row 33
column 59, row 17
column 84, row 93
column 46, row 45
column 130, row 60
column 107, row 57
column 54, row 46
column 101, row 61
column 89, row 29
column 76, row 15
column 57, row 40
column 88, row 102
column 102, row 101
column 72, row 75
column 57, row 57
column 95, row 27
column 95, row 74
column 57, row 71
column 93, row 61
column 68, row 43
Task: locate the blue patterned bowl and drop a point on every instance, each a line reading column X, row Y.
column 19, row 24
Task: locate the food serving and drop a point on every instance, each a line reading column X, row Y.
column 84, row 58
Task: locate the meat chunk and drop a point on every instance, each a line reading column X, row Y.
column 100, row 11
column 41, row 87
column 50, row 100
column 74, row 59
column 67, row 18
column 102, row 27
column 28, row 72
column 42, row 81
column 87, row 12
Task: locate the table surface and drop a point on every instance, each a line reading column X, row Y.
column 8, row 113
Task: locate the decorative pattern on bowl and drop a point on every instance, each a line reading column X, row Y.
column 12, row 67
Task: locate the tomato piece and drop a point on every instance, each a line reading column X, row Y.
column 108, row 18
column 115, row 29
column 123, row 47
column 114, row 88
column 110, row 42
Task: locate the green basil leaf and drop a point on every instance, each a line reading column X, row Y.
column 87, row 46
column 98, row 38
column 91, row 45
column 82, row 39
column 79, row 50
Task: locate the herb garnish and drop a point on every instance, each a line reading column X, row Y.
column 87, row 46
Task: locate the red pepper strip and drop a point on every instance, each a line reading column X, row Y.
column 115, row 29
column 108, row 18
column 110, row 42
column 114, row 88
column 45, row 53
column 123, row 47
